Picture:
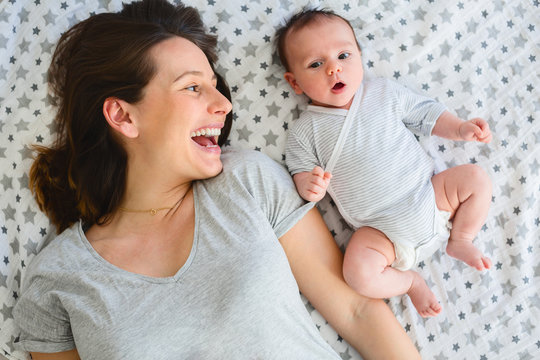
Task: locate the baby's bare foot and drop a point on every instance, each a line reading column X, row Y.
column 465, row 251
column 423, row 298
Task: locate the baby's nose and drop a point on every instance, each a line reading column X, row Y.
column 334, row 69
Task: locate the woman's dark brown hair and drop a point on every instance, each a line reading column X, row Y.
column 82, row 176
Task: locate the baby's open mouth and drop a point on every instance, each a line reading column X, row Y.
column 338, row 86
column 206, row 137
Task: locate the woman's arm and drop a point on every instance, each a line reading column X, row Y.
column 65, row 355
column 367, row 324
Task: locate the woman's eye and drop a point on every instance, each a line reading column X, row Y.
column 316, row 64
column 343, row 56
column 193, row 88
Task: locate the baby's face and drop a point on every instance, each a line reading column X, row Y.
column 325, row 62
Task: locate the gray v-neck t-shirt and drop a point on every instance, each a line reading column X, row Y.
column 235, row 297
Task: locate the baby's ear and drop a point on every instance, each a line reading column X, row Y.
column 117, row 115
column 289, row 76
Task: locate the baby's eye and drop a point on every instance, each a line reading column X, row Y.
column 344, row 56
column 316, row 64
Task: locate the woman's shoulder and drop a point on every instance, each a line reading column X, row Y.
column 251, row 170
column 58, row 255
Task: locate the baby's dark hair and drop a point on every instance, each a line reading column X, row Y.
column 298, row 21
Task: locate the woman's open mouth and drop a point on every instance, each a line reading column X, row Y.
column 206, row 137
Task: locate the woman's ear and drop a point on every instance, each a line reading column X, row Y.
column 117, row 115
column 289, row 76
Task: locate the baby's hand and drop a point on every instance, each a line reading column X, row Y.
column 476, row 129
column 312, row 185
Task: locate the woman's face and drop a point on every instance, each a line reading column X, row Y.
column 181, row 114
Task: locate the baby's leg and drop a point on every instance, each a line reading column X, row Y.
column 464, row 191
column 366, row 268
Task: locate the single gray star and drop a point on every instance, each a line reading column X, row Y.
column 441, row 356
column 486, row 280
column 493, row 63
column 24, row 46
column 508, row 288
column 3, row 280
column 249, row 77
column 493, row 32
column 472, row 26
column 471, row 338
column 535, row 167
column 3, row 42
column 15, row 245
column 463, row 113
column 24, row 102
column 437, row 76
column 389, row 32
column 477, row 307
column 467, row 85
column 7, row 182
column 495, row 345
column 21, row 73
column 244, row 133
column 522, row 231
column 272, row 80
column 26, row 153
column 418, row 39
column 250, row 49
column 388, row 5
column 520, row 41
column 6, row 311
column 513, row 160
column 490, row 91
column 445, row 48
column 31, row 247
column 29, row 215
column 223, row 16
column 270, row 138
column 47, row 46
column 453, row 296
column 273, row 109
column 506, row 190
column 517, row 68
column 296, row 112
column 535, row 299
column 23, row 181
column 527, row 326
column 525, row 355
column 446, row 16
column 504, row 319
column 50, row 18
column 419, row 14
column 9, row 213
column 414, row 67
column 255, row 24
column 384, row 54
column 445, row 326
column 466, row 54
column 4, row 16
column 224, row 44
column 244, row 102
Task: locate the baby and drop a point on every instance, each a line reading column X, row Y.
column 383, row 182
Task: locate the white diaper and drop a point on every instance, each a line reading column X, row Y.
column 407, row 256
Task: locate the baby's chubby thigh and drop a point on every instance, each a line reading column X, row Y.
column 369, row 251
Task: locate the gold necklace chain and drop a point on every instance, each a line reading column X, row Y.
column 151, row 211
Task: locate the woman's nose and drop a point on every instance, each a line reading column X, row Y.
column 221, row 105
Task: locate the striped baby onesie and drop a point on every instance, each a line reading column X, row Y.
column 382, row 178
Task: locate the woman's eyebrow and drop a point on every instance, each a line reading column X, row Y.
column 193, row 72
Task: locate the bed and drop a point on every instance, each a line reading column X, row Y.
column 481, row 58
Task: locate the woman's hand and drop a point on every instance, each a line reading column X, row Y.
column 367, row 324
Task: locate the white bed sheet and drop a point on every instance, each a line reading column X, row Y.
column 480, row 58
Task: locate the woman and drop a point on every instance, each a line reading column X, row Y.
column 170, row 249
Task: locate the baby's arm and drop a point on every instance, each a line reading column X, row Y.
column 312, row 185
column 451, row 127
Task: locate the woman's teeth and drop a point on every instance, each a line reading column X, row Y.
column 206, row 132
